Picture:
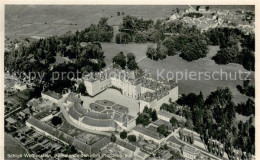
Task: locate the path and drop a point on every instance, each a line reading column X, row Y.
column 115, row 31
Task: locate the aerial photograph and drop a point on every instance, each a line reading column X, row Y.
column 131, row 82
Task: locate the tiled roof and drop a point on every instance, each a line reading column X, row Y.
column 190, row 150
column 174, row 140
column 58, row 134
column 99, row 144
column 165, row 113
column 96, row 115
column 98, row 123
column 126, row 145
column 73, row 113
column 148, row 132
column 53, row 94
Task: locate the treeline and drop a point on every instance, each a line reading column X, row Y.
column 229, row 40
column 186, row 41
column 215, row 118
column 82, row 48
column 193, row 15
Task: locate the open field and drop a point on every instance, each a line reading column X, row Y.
column 12, row 147
column 44, row 20
column 177, row 64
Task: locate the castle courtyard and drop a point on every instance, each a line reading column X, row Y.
column 116, row 97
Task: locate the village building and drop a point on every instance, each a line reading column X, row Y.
column 165, row 115
column 149, row 135
column 190, row 153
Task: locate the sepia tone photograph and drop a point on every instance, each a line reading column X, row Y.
column 139, row 82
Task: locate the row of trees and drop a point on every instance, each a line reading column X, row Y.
column 186, row 137
column 215, row 117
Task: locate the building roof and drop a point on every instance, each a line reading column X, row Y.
column 170, row 115
column 33, row 102
column 53, row 94
column 73, row 113
column 99, row 144
column 58, row 134
column 190, row 150
column 165, row 113
column 126, row 145
column 148, row 132
column 10, row 120
column 98, row 123
column 160, row 122
column 174, row 140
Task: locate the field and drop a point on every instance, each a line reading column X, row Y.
column 176, row 64
column 45, row 20
column 12, row 147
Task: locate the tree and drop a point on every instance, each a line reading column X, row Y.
column 174, row 121
column 82, row 88
column 120, row 59
column 131, row 63
column 154, row 115
column 56, row 120
column 132, row 138
column 197, row 8
column 113, row 138
column 123, row 135
column 143, row 120
column 189, row 124
column 152, row 53
column 163, row 130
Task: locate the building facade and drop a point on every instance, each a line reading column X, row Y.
column 133, row 84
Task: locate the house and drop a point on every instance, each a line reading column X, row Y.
column 165, row 115
column 190, row 152
column 126, row 146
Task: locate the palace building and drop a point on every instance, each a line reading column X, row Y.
column 135, row 84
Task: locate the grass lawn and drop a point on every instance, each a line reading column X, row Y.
column 112, row 49
column 176, row 64
column 12, row 147
column 44, row 20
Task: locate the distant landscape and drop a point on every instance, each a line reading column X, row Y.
column 42, row 21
